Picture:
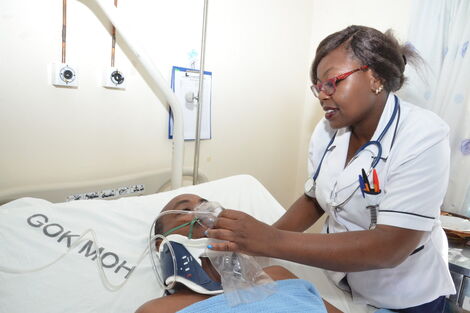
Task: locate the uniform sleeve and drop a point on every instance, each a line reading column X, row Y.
column 417, row 180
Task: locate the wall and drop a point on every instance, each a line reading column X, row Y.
column 263, row 111
column 257, row 51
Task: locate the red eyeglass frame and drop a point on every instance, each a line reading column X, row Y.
column 317, row 88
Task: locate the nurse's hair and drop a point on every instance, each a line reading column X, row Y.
column 381, row 52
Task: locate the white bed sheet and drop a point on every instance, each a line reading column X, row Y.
column 73, row 283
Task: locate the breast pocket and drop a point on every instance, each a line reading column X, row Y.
column 352, row 214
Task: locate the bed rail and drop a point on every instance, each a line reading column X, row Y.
column 109, row 188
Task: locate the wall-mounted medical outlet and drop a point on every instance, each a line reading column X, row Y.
column 64, row 75
column 113, row 78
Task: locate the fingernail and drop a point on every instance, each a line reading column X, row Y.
column 209, row 246
column 205, row 233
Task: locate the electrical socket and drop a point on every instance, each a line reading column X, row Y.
column 64, row 75
column 113, row 78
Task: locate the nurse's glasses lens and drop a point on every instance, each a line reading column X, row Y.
column 328, row 88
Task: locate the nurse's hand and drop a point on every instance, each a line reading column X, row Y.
column 242, row 233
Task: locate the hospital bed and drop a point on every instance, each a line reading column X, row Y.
column 34, row 232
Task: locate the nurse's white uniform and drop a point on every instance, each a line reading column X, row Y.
column 413, row 177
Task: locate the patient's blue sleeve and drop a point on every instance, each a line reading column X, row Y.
column 292, row 295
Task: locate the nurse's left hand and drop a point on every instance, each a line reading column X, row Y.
column 242, row 233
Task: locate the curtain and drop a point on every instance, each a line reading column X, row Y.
column 440, row 32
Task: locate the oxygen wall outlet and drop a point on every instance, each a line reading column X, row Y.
column 113, row 78
column 64, row 75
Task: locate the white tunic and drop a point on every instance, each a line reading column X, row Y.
column 413, row 177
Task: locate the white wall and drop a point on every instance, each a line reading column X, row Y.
column 258, row 52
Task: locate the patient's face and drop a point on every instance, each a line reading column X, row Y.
column 184, row 202
column 187, row 202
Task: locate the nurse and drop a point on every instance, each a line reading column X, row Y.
column 386, row 246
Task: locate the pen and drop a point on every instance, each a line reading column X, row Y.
column 366, row 181
column 376, row 181
column 361, row 185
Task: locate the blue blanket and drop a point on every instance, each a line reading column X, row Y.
column 292, row 295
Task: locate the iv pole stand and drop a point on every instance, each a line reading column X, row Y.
column 200, row 96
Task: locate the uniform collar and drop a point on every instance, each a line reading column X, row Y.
column 347, row 177
column 384, row 119
column 343, row 134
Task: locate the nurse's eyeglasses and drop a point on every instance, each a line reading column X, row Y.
column 329, row 86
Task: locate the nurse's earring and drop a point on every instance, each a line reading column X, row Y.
column 378, row 90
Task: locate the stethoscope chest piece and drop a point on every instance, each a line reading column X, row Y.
column 310, row 187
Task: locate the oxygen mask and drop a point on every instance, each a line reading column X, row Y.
column 178, row 260
column 207, row 212
column 176, row 248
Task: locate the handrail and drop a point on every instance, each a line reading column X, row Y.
column 108, row 14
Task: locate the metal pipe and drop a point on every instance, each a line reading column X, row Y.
column 108, row 14
column 200, row 95
column 113, row 40
column 64, row 29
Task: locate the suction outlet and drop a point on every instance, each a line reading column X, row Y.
column 64, row 75
column 114, row 78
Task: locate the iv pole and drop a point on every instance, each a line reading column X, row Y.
column 200, row 95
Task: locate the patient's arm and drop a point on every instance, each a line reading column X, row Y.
column 185, row 297
column 172, row 303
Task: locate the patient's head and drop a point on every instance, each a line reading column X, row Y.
column 184, row 202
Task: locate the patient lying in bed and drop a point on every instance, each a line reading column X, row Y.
column 292, row 295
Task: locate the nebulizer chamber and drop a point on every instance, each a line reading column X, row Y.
column 242, row 278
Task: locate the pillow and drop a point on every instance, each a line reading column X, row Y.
column 35, row 232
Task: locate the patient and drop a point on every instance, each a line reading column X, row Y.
column 183, row 297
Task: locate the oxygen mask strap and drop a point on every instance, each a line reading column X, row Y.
column 191, row 223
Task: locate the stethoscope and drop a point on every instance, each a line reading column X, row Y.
column 310, row 184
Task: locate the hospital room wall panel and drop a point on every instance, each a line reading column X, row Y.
column 256, row 51
column 255, row 124
column 54, row 134
column 262, row 108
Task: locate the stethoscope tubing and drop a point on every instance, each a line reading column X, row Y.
column 396, row 110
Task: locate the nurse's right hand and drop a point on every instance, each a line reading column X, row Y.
column 242, row 233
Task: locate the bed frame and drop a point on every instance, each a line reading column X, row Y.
column 109, row 188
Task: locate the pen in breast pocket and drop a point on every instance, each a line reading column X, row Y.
column 366, row 181
column 361, row 186
column 375, row 178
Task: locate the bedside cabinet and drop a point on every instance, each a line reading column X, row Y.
column 459, row 265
